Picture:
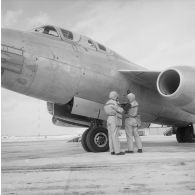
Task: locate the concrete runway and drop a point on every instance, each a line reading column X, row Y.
column 58, row 167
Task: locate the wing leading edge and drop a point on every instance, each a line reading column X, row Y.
column 143, row 77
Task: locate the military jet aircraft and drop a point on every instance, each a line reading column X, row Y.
column 75, row 74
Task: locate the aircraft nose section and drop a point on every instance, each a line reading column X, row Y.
column 11, row 51
column 12, row 37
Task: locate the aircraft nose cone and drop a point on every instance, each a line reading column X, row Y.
column 12, row 38
column 11, row 50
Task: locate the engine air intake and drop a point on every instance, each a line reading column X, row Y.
column 168, row 82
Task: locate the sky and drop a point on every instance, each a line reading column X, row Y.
column 156, row 34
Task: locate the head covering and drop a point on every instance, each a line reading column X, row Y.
column 113, row 95
column 131, row 97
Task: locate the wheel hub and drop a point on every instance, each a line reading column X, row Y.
column 100, row 139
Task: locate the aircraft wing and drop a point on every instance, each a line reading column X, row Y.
column 143, row 77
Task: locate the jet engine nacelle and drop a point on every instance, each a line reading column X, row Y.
column 178, row 85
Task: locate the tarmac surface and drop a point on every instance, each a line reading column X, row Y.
column 60, row 167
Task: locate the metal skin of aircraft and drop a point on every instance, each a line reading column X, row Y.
column 75, row 74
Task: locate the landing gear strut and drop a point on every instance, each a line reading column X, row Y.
column 185, row 134
column 95, row 139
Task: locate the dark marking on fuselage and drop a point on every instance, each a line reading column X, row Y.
column 22, row 81
column 33, row 67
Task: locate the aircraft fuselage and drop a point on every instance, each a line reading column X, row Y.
column 57, row 70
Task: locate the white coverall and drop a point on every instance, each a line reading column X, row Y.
column 114, row 123
column 132, row 122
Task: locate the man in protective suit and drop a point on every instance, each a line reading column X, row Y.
column 132, row 122
column 114, row 122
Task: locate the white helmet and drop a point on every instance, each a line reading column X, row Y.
column 131, row 97
column 113, row 95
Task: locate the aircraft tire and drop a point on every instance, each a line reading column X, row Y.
column 84, row 141
column 188, row 136
column 180, row 135
column 185, row 135
column 97, row 139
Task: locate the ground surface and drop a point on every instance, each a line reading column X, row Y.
column 58, row 167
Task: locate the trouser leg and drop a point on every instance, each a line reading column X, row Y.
column 137, row 138
column 129, row 135
column 115, row 138
column 110, row 138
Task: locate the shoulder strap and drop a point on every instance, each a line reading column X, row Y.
column 110, row 102
column 134, row 104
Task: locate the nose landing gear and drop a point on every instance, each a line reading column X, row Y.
column 95, row 139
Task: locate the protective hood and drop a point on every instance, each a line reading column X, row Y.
column 113, row 95
column 131, row 97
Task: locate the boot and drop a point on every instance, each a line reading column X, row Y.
column 128, row 151
column 120, row 153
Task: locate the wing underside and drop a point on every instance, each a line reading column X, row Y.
column 146, row 78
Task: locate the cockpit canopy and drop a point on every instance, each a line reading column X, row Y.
column 49, row 30
column 65, row 35
column 56, row 32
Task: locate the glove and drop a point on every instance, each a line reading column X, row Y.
column 126, row 107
